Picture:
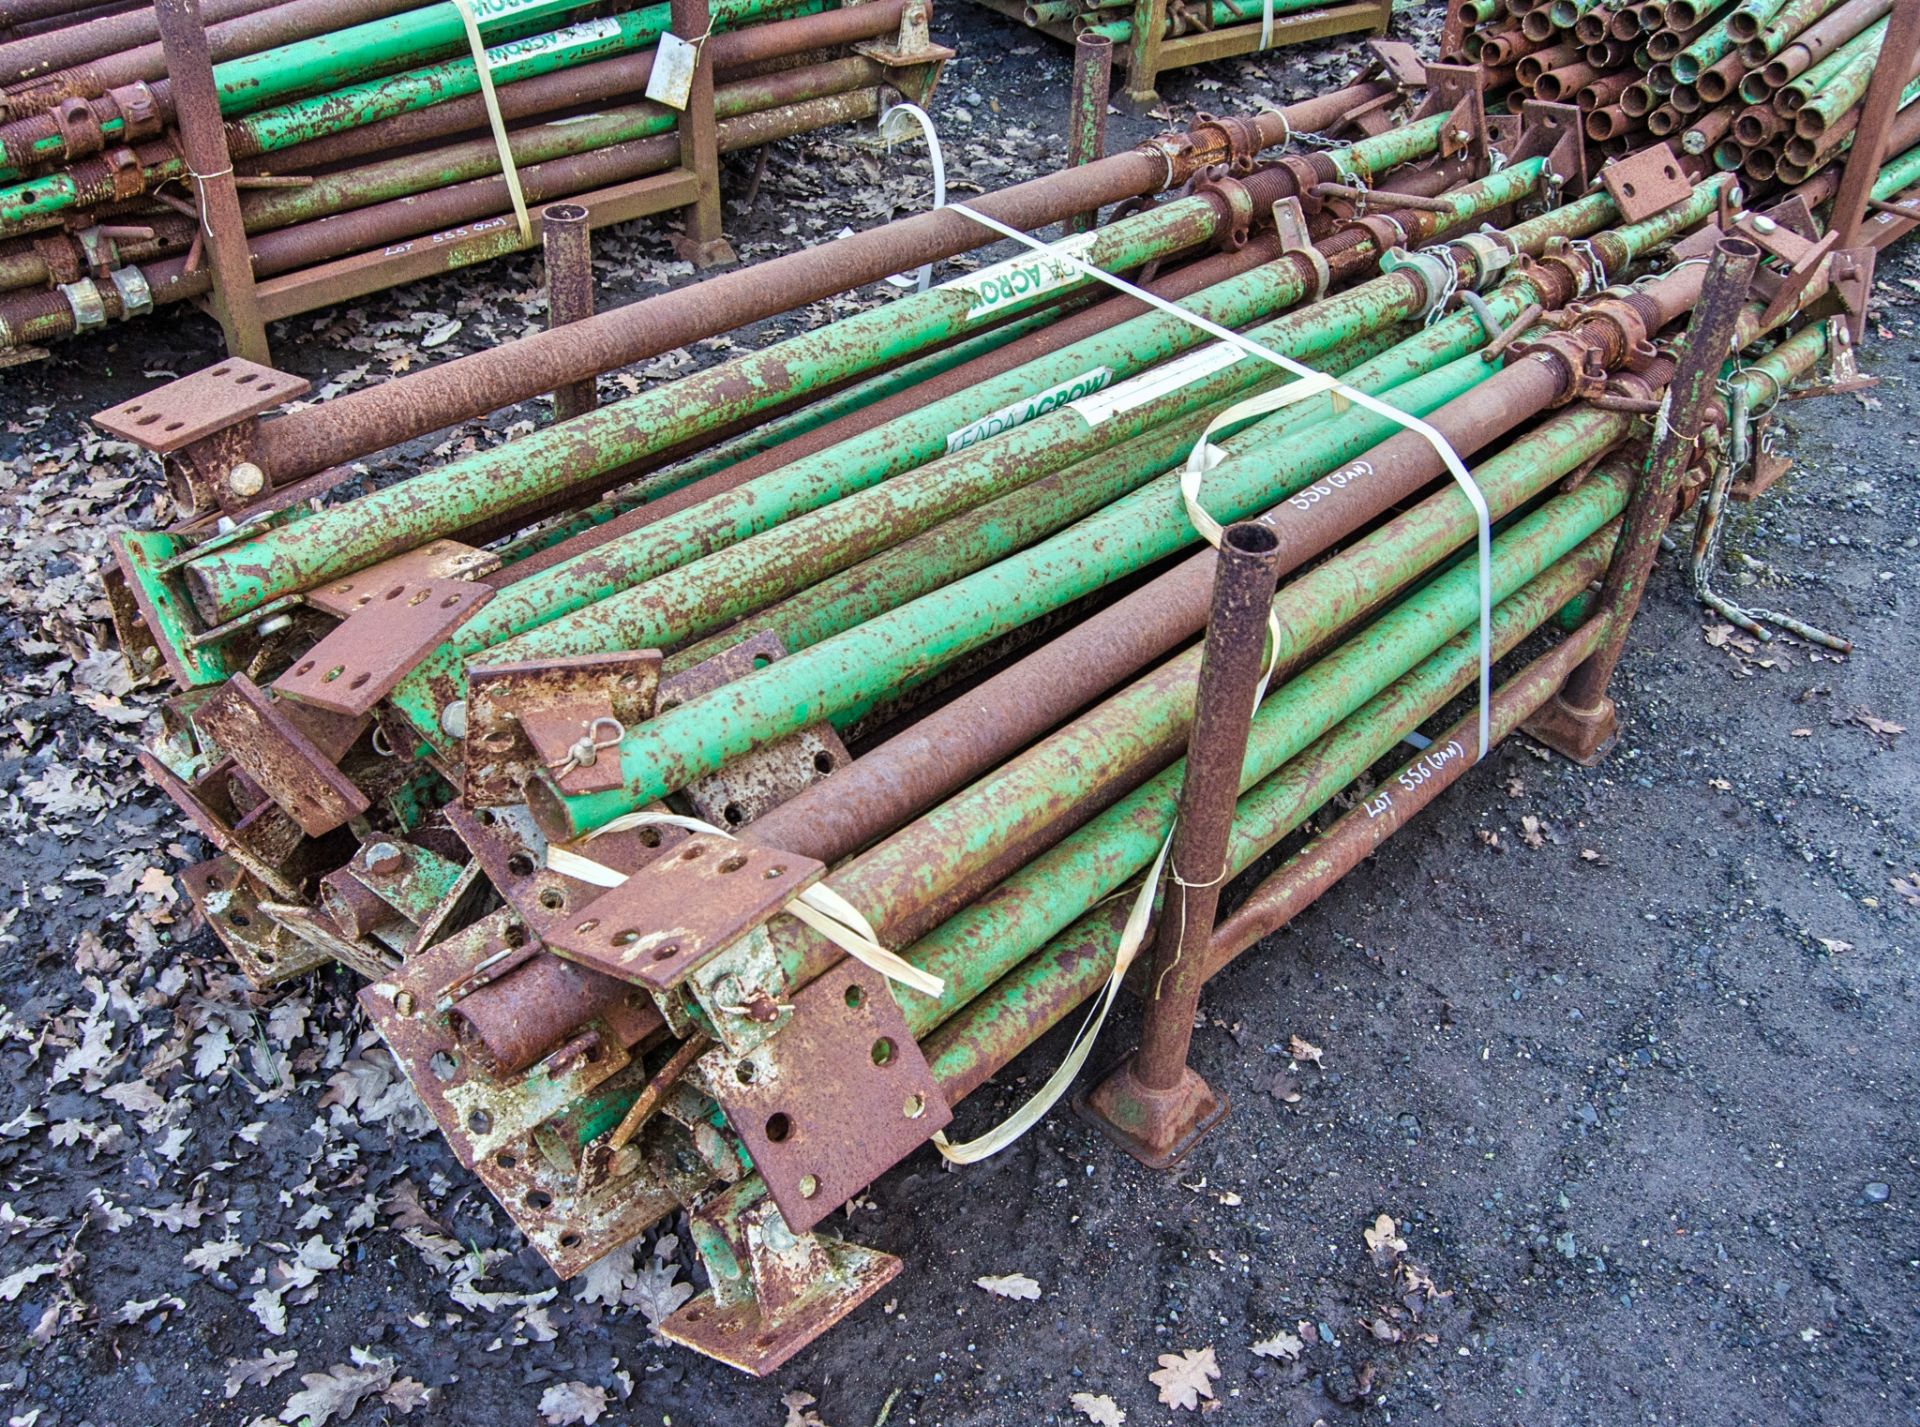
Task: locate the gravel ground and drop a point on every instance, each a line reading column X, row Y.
column 1621, row 1053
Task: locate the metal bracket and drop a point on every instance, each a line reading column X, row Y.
column 835, row 1100
column 1645, row 183
column 1458, row 90
column 480, row 1110
column 1399, row 62
column 1290, row 226
column 1850, row 279
column 277, row 748
column 678, row 911
column 436, row 560
column 525, row 717
column 537, row 1182
column 360, row 661
column 768, row 775
column 197, row 407
column 912, row 45
column 229, row 899
column 1556, row 133
column 774, row 1291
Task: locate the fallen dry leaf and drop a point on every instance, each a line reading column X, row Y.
column 258, row 1372
column 1185, row 1377
column 1833, row 945
column 1100, row 1410
column 335, row 1392
column 1588, row 854
column 1009, row 1285
column 1283, row 1345
column 1800, row 733
column 1530, row 832
column 800, row 1411
column 566, row 1403
column 1383, row 1238
column 1301, row 1049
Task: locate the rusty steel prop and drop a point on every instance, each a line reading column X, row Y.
column 1154, row 1105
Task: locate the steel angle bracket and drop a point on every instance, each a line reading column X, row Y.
column 480, row 1109
column 739, row 995
column 1399, row 62
column 265, row 842
column 369, row 960
column 768, row 775
column 774, row 1290
column 1555, row 133
column 415, row 881
column 536, row 1180
column 681, row 910
column 835, row 1100
column 1459, row 91
column 549, row 714
column 291, row 752
column 229, row 899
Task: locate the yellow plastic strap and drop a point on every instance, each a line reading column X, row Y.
column 820, row 907
column 1132, row 937
column 495, row 118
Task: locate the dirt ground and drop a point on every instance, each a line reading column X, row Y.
column 1627, row 1055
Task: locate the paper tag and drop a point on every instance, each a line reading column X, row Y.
column 1020, row 412
column 1151, row 386
column 1023, row 278
column 671, row 82
column 513, row 52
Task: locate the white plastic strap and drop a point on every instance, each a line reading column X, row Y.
column 925, row 121
column 1266, row 24
column 820, row 907
column 483, row 69
column 1204, row 457
column 1311, row 382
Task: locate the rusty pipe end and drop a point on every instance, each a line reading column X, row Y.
column 563, row 215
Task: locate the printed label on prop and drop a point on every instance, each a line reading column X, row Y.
column 1020, row 412
column 1195, row 366
column 1424, row 770
column 515, row 51
column 1338, row 481
column 1020, row 279
column 485, row 12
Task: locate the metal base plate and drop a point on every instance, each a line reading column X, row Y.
column 1583, row 738
column 833, row 1101
column 678, row 910
column 358, row 663
column 436, row 560
column 480, row 1110
column 194, row 407
column 736, row 1333
column 1157, row 1130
